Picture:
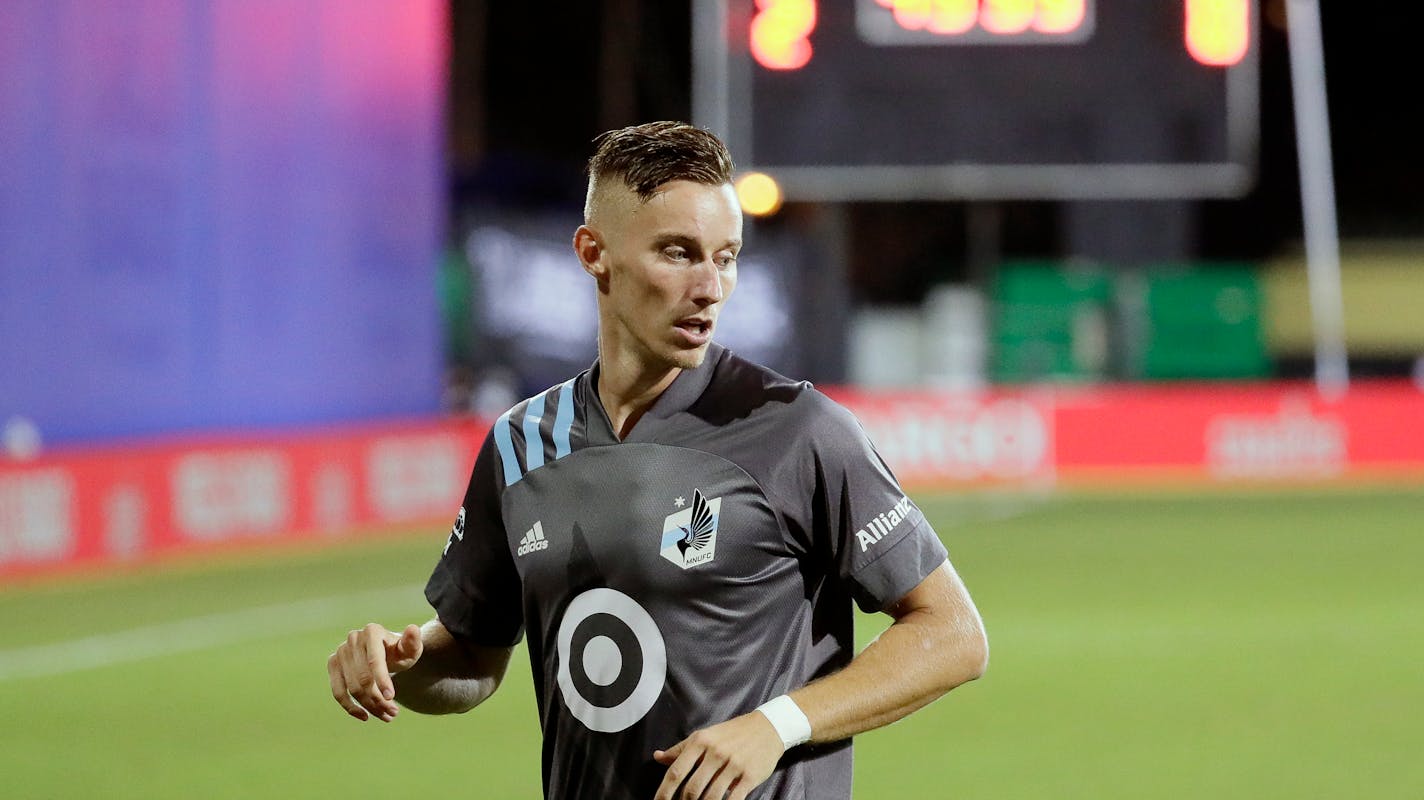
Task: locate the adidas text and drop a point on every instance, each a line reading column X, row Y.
column 533, row 540
column 881, row 526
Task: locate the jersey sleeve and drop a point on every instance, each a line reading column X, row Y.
column 857, row 517
column 475, row 587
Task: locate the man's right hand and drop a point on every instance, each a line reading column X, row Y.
column 361, row 669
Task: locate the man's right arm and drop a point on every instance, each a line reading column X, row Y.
column 474, row 588
column 424, row 668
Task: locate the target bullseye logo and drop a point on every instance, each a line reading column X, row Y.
column 612, row 661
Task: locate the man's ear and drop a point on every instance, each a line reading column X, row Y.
column 588, row 245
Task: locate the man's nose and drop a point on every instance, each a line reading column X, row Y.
column 707, row 286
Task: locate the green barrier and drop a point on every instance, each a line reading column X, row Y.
column 1203, row 321
column 1056, row 322
column 1050, row 322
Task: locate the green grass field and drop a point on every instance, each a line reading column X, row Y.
column 1230, row 645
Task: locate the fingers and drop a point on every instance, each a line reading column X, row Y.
column 360, row 679
column 741, row 790
column 680, row 769
column 373, row 646
column 666, row 757
column 338, row 689
column 407, row 650
column 702, row 777
column 719, row 786
column 729, row 759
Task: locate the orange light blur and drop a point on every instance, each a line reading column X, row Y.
column 953, row 16
column 1007, row 16
column 759, row 194
column 1060, row 16
column 913, row 15
column 1218, row 31
column 779, row 33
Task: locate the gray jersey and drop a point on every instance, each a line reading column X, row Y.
column 682, row 576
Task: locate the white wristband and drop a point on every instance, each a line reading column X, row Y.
column 788, row 720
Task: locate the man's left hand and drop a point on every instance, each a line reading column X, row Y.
column 726, row 760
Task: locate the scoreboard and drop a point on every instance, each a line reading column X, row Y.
column 983, row 99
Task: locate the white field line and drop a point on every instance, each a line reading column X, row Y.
column 200, row 633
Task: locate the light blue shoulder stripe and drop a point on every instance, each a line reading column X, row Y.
column 504, row 440
column 564, row 418
column 533, row 442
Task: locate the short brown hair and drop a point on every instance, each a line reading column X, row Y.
column 647, row 156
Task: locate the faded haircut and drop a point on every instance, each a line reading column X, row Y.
column 644, row 157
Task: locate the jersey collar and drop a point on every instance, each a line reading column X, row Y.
column 685, row 389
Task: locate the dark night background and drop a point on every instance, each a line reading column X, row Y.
column 527, row 97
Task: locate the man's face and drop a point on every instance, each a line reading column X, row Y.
column 664, row 269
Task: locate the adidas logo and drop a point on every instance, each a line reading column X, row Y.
column 533, row 540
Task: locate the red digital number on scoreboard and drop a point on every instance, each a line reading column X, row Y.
column 974, row 21
column 1216, row 32
column 781, row 31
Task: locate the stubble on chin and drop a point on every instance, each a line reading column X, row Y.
column 687, row 359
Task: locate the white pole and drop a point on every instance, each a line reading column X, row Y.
column 1317, row 195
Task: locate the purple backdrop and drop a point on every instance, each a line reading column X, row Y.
column 219, row 214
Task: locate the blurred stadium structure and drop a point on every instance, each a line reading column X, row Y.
column 249, row 292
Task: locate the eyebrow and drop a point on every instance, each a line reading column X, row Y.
column 688, row 241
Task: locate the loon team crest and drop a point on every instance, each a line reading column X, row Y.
column 690, row 535
column 456, row 532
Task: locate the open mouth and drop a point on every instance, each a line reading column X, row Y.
column 695, row 332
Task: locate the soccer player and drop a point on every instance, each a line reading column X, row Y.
column 681, row 532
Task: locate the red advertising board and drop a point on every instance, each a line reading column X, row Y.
column 68, row 510
column 1242, row 432
column 933, row 440
column 1208, row 432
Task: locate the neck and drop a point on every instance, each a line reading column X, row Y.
column 628, row 385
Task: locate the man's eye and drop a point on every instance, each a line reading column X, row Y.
column 675, row 253
column 726, row 261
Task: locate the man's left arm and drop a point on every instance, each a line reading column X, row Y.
column 936, row 643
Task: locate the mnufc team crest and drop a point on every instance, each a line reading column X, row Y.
column 690, row 535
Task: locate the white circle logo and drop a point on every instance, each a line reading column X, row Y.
column 612, row 661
